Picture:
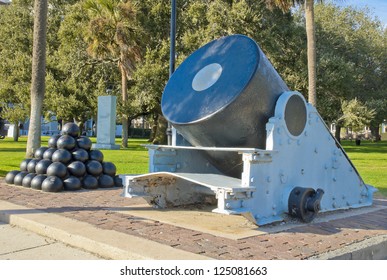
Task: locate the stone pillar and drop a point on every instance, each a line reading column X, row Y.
column 106, row 124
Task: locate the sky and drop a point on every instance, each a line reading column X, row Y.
column 377, row 8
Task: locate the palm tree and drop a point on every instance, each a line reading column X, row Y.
column 38, row 76
column 285, row 5
column 113, row 36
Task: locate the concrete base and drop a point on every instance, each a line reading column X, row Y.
column 99, row 146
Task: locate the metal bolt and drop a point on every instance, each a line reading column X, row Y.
column 252, row 180
column 302, row 171
column 228, row 206
column 268, row 179
column 334, row 204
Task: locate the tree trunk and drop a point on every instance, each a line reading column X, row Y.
column 311, row 47
column 337, row 133
column 38, row 76
column 155, row 120
column 125, row 120
column 375, row 133
column 161, row 137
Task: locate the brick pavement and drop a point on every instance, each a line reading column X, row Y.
column 96, row 207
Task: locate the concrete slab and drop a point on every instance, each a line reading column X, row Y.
column 19, row 244
column 200, row 218
column 108, row 244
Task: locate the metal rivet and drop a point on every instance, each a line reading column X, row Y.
column 268, row 179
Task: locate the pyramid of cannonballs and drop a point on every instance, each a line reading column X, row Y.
column 68, row 163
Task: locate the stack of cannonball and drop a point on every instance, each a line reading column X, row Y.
column 68, row 163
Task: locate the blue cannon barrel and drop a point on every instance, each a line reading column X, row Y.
column 222, row 95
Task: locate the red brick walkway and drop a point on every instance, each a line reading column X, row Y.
column 95, row 207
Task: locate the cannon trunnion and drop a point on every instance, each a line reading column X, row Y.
column 243, row 141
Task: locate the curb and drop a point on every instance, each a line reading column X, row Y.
column 108, row 244
column 374, row 248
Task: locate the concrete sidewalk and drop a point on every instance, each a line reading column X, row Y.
column 112, row 227
column 19, row 244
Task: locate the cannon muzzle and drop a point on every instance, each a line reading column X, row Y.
column 222, row 95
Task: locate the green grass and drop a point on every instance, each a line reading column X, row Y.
column 133, row 160
column 370, row 158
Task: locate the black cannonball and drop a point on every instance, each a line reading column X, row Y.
column 96, row 155
column 71, row 129
column 26, row 182
column 48, row 153
column 42, row 165
column 19, row 178
column 89, row 182
column 31, row 165
column 52, row 184
column 84, row 143
column 39, row 152
column 118, row 181
column 53, row 141
column 77, row 168
column 80, row 155
column 66, row 142
column 36, row 182
column 61, row 155
column 94, row 167
column 105, row 181
column 72, row 183
column 57, row 169
column 24, row 163
column 109, row 168
column 11, row 176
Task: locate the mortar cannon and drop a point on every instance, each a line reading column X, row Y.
column 242, row 139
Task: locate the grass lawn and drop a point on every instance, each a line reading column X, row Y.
column 133, row 160
column 370, row 158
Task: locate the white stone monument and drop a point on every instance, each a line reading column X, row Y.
column 106, row 124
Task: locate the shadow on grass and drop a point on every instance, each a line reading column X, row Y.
column 365, row 147
column 7, row 150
